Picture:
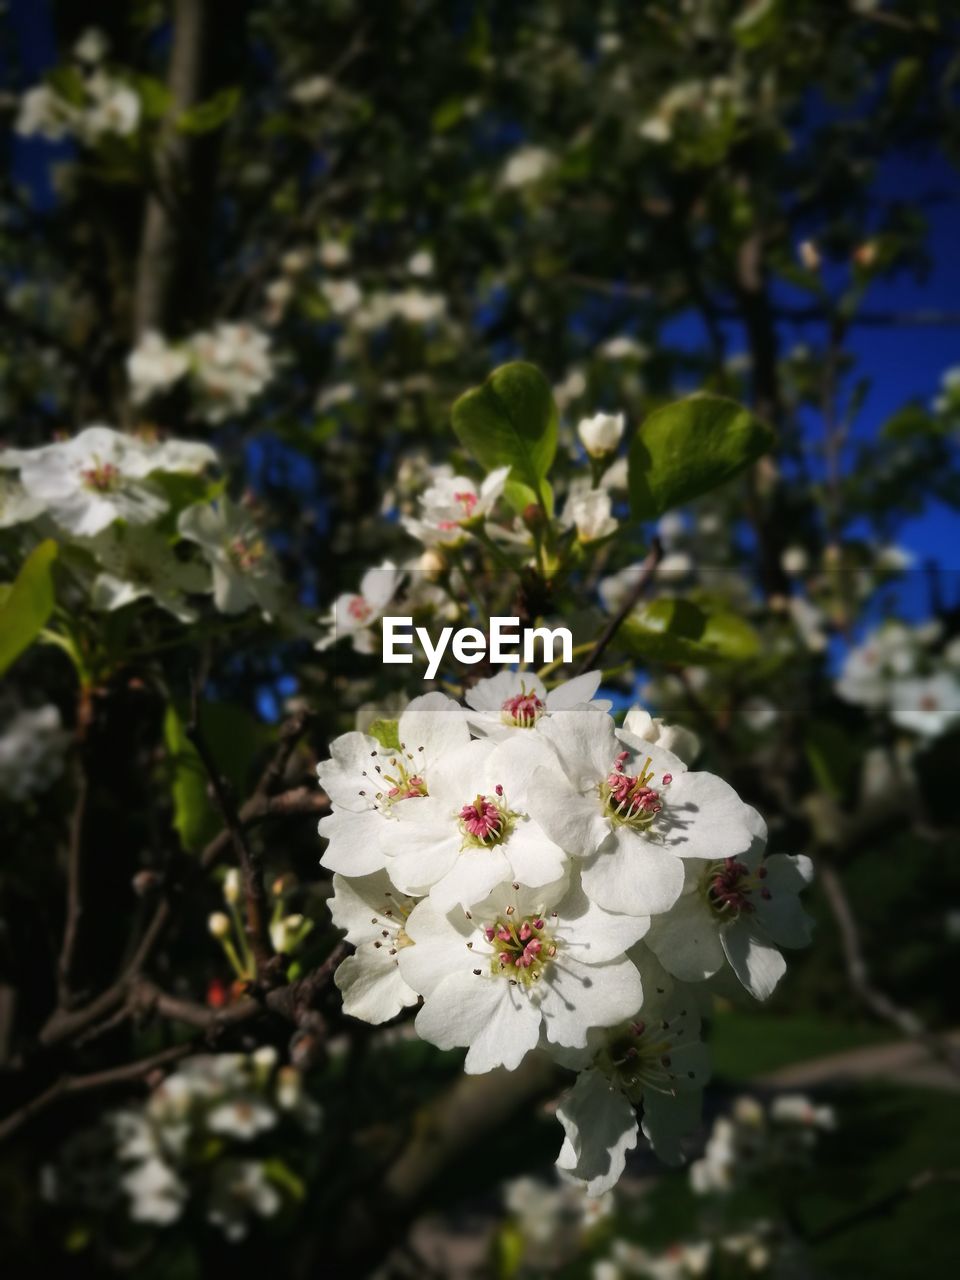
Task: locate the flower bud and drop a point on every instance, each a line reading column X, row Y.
column 794, row 560
column 592, row 514
column 283, row 933
column 264, row 1060
column 601, row 434
column 809, row 255
column 231, row 886
column 289, row 1088
column 219, row 925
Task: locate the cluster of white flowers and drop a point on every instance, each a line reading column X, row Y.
column 554, row 1220
column 33, row 745
column 947, row 400
column 747, row 1252
column 98, row 105
column 540, row 879
column 756, row 1140
column 287, row 929
column 525, row 166
column 452, row 505
column 196, row 1139
column 703, row 102
column 412, row 306
column 908, row 674
column 103, row 492
column 228, row 366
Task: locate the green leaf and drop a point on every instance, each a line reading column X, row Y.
column 235, row 738
column 155, row 98
column 511, row 421
column 194, row 819
column 834, row 756
column 386, row 732
column 679, row 631
column 690, row 447
column 69, row 84
column 210, row 115
column 28, row 604
column 280, row 1173
column 449, row 113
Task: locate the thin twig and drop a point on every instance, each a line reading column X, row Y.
column 255, row 894
column 68, row 1085
column 644, row 577
column 882, row 1205
column 858, row 974
column 74, row 909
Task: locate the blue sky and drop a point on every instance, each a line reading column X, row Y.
column 902, row 363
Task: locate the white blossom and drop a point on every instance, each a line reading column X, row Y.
column 114, row 108
column 451, row 504
column 472, row 831
column 342, row 296
column 241, row 1117
column 43, row 113
column 88, row 482
column 655, row 1061
column 370, row 784
column 355, row 613
column 525, row 961
column 137, row 562
column 640, row 726
column 241, row 1189
column 244, row 570
column 601, row 434
column 33, row 745
column 154, row 366
column 526, row 165
column 310, row 91
column 928, row 706
column 420, row 263
column 231, row 365
column 635, row 816
column 156, row 1194
column 373, row 915
column 514, row 701
column 736, row 910
column 591, row 511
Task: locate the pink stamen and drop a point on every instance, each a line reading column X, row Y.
column 467, row 500
column 413, row 788
column 359, row 610
column 101, row 477
column 482, row 819
column 524, row 709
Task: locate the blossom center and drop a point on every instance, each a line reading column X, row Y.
column 485, row 821
column 102, row 477
column 466, row 500
column 629, row 799
column 246, row 553
column 392, row 918
column 731, row 888
column 522, row 949
column 639, row 1056
column 523, row 710
column 359, row 610
column 404, row 781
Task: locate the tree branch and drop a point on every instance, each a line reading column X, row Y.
column 858, row 974
column 74, row 907
column 644, row 577
column 68, row 1085
column 255, row 894
column 156, row 265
